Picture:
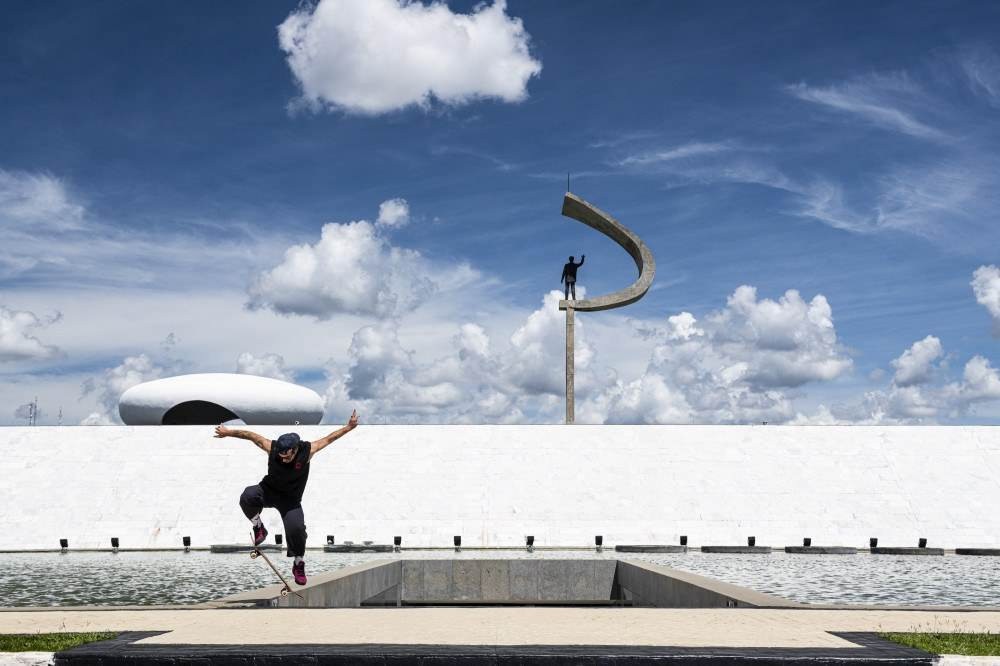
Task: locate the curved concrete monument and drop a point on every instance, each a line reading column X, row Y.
column 212, row 398
column 576, row 208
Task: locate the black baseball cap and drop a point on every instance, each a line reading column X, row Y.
column 286, row 442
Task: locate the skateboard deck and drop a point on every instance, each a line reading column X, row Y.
column 255, row 553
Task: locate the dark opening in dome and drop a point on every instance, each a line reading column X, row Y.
column 197, row 412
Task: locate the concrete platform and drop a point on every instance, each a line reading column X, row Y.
column 244, row 548
column 785, row 628
column 905, row 550
column 650, row 549
column 743, row 550
column 495, row 635
column 355, row 548
column 865, row 648
column 821, row 550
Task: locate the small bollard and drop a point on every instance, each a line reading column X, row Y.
column 277, row 539
column 329, row 539
column 599, row 542
column 873, row 542
column 529, row 543
column 922, row 543
column 806, row 542
column 396, row 543
column 187, row 544
column 114, row 544
column 63, row 545
column 684, row 540
column 751, row 541
column 458, row 542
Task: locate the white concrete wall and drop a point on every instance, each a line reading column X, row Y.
column 149, row 486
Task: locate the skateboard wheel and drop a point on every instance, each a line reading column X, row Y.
column 253, row 555
column 284, row 593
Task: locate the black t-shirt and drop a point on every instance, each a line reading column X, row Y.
column 288, row 480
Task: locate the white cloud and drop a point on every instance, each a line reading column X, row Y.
column 348, row 270
column 474, row 382
column 733, row 366
column 980, row 382
column 982, row 69
column 948, row 196
column 693, row 149
column 924, row 404
column 37, row 199
column 915, row 365
column 878, row 98
column 376, row 353
column 265, row 365
column 376, row 56
column 393, row 213
column 931, row 200
column 918, row 392
column 822, row 416
column 48, row 236
column 113, row 382
column 986, row 285
column 16, row 341
column 353, row 269
column 825, row 201
column 536, row 360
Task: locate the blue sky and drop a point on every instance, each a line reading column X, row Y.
column 158, row 163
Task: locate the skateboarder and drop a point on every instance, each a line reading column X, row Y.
column 287, row 472
column 569, row 276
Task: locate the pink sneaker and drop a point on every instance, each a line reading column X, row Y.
column 299, row 571
column 259, row 534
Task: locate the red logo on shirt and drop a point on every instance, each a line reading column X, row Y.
column 298, row 465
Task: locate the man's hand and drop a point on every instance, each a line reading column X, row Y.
column 222, row 431
column 321, row 443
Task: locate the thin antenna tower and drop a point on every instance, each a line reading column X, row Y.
column 60, row 415
column 567, row 181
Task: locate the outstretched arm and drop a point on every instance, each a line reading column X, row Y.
column 321, row 443
column 583, row 258
column 262, row 442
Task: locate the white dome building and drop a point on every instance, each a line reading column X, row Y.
column 212, row 398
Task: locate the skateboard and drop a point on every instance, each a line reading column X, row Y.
column 256, row 552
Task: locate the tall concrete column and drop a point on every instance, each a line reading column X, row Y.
column 569, row 365
column 581, row 211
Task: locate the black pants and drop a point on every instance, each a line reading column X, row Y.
column 256, row 498
column 570, row 286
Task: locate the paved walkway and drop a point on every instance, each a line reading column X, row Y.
column 501, row 626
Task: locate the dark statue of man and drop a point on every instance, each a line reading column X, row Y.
column 569, row 276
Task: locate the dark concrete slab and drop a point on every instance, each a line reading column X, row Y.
column 355, row 548
column 897, row 550
column 821, row 550
column 123, row 651
column 651, row 549
column 244, row 548
column 750, row 550
column 991, row 552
